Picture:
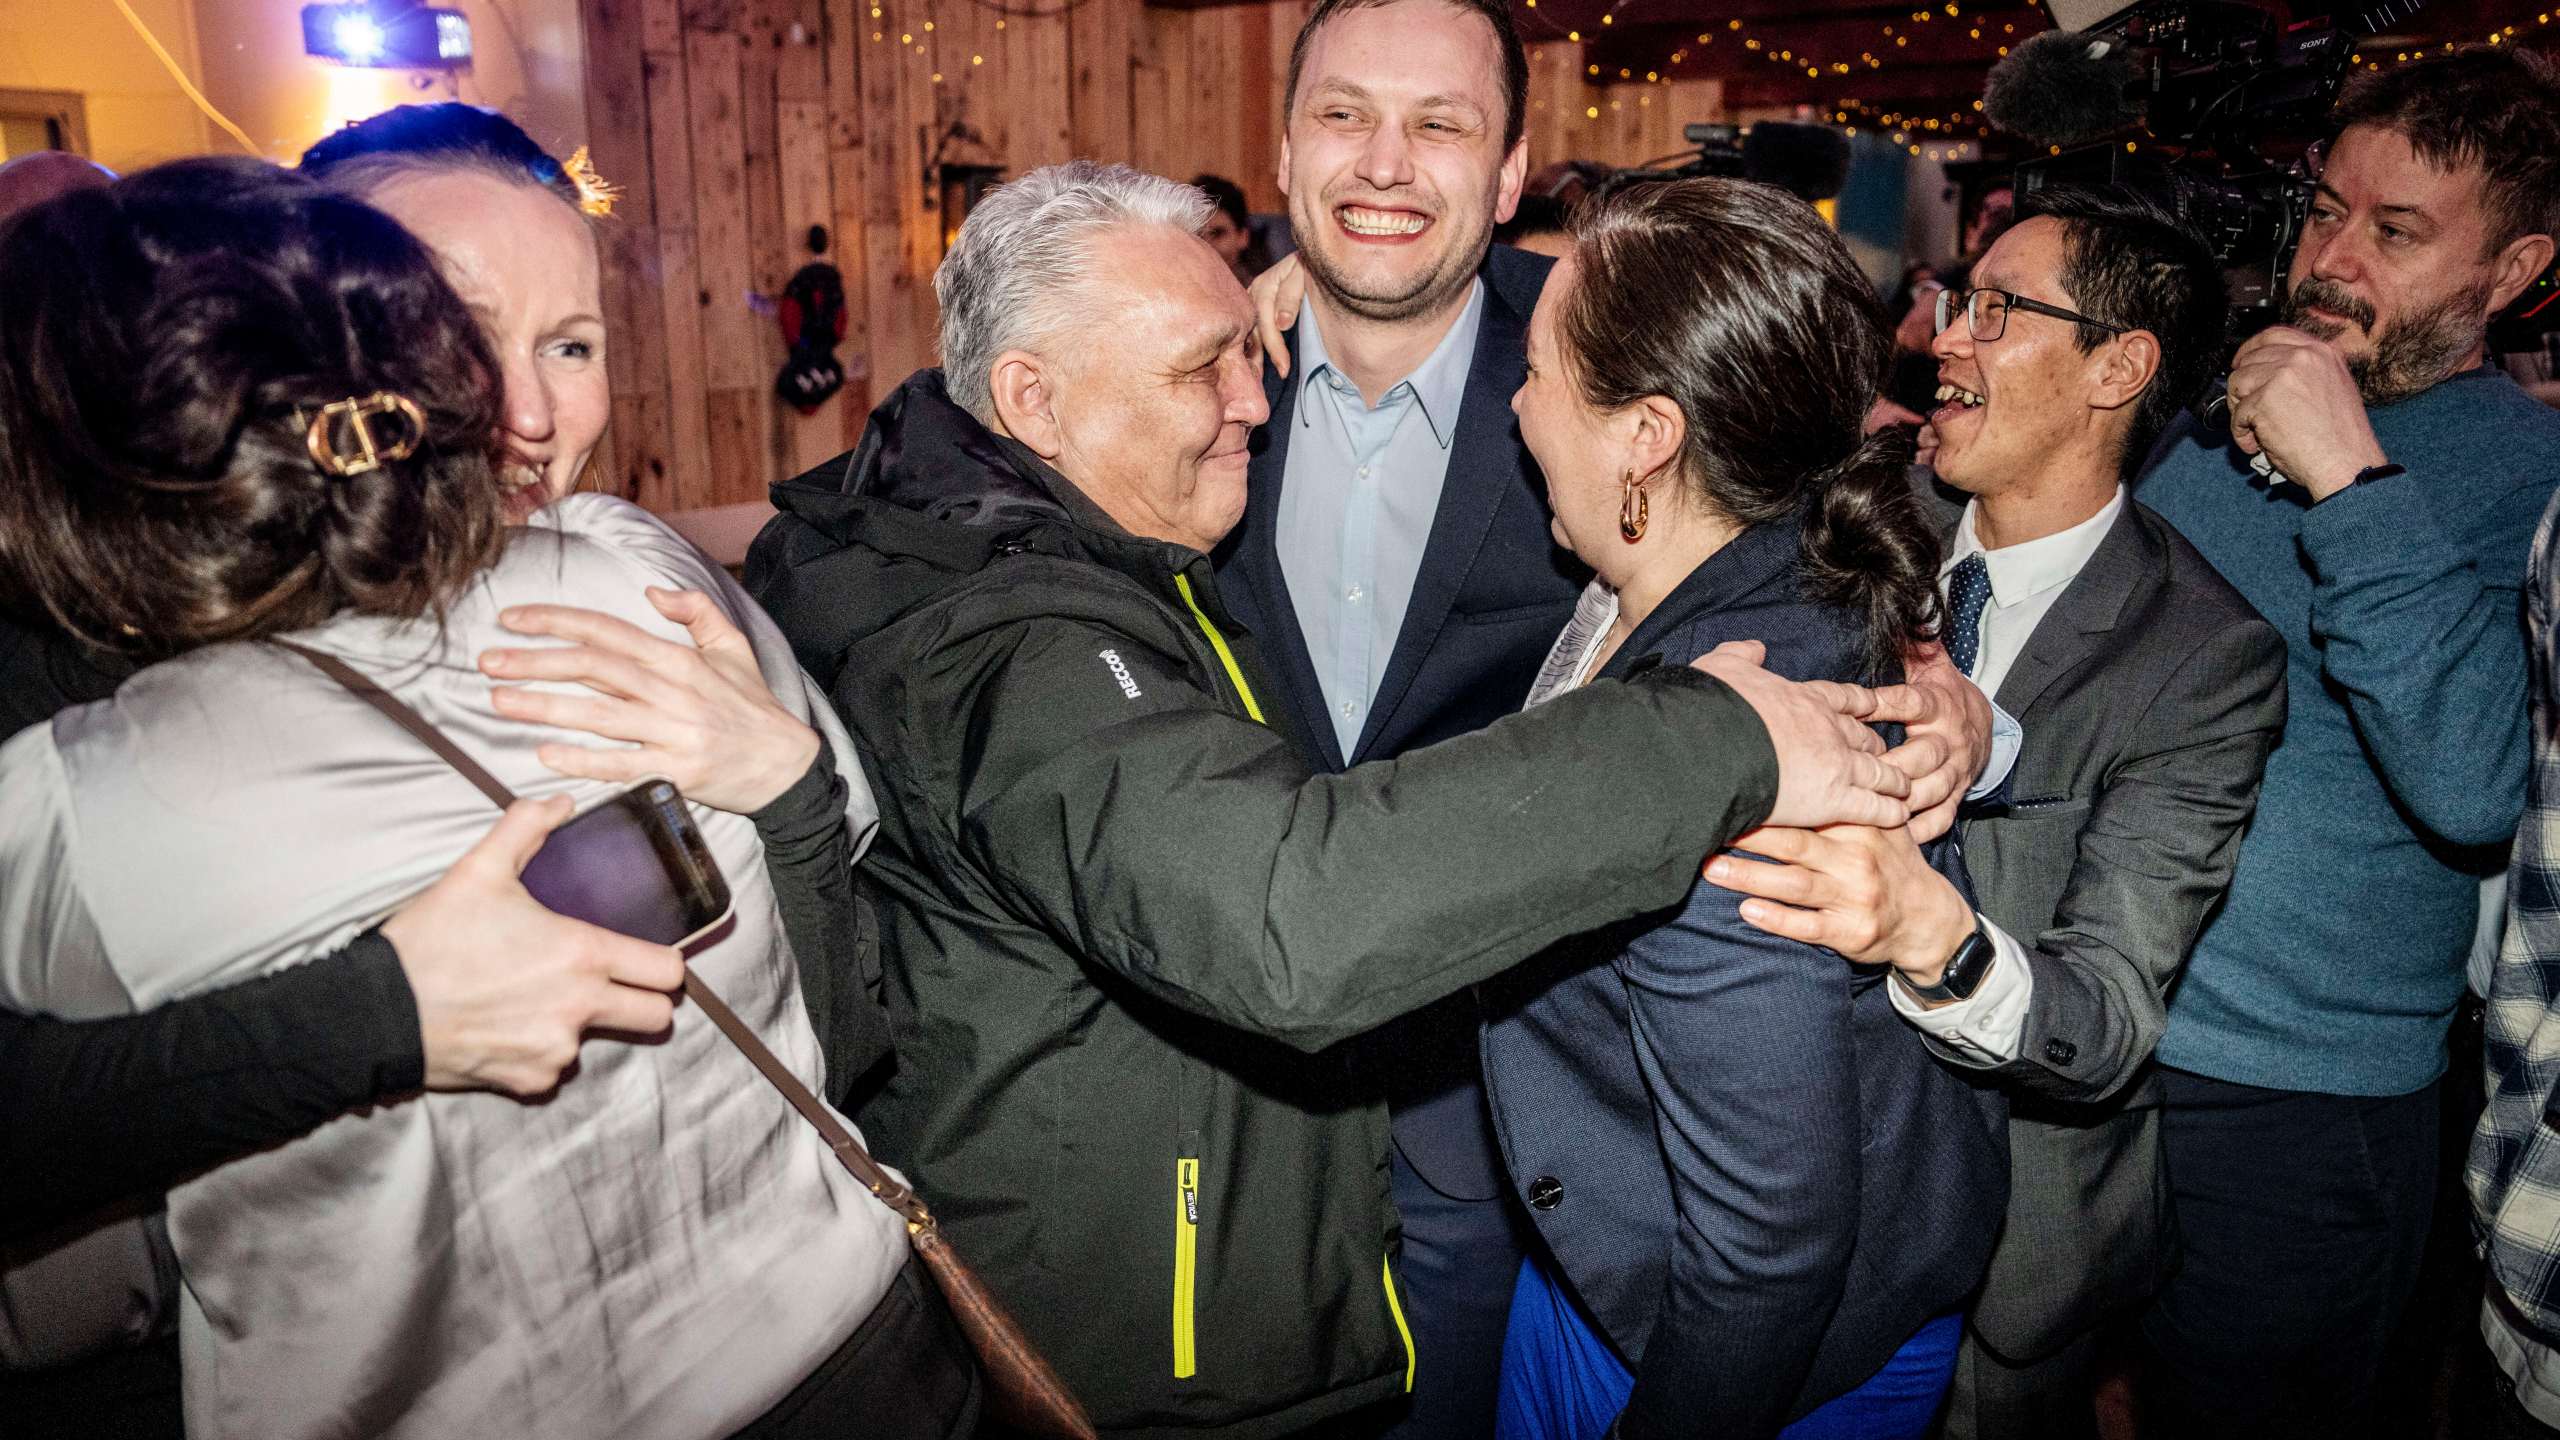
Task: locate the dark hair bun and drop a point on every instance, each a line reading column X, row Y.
column 157, row 339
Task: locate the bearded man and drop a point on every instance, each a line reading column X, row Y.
column 2305, row 1046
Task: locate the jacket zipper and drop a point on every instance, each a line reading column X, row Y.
column 1218, row 643
column 1186, row 1261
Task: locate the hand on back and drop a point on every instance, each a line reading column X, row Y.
column 1832, row 768
column 699, row 714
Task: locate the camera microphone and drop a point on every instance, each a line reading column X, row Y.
column 2064, row 89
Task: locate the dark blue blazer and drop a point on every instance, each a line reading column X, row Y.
column 1492, row 593
column 1747, row 1165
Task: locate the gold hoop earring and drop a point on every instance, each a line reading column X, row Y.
column 1635, row 511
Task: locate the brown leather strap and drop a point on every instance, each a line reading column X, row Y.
column 848, row 1151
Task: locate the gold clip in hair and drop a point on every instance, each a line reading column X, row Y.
column 352, row 420
column 595, row 194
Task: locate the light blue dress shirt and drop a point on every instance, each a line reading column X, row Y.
column 1357, row 497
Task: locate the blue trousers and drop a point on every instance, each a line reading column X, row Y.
column 1562, row 1381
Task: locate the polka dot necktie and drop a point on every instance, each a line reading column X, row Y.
column 1968, row 591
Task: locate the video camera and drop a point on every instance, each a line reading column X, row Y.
column 2232, row 102
column 1810, row 161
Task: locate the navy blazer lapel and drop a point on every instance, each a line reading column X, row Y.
column 1274, row 616
column 1486, row 463
column 2087, row 608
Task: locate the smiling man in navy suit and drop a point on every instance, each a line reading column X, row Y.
column 1395, row 558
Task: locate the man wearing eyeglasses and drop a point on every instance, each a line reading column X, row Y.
column 2307, row 1043
column 2150, row 694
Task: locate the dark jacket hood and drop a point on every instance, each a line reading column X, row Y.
column 928, row 499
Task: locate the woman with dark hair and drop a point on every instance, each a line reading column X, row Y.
column 249, row 408
column 410, row 1002
column 1754, row 1184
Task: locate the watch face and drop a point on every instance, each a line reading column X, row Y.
column 1965, row 967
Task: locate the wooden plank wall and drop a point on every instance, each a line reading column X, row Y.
column 735, row 125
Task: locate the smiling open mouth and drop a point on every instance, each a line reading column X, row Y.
column 1361, row 220
column 525, row 489
column 1960, row 395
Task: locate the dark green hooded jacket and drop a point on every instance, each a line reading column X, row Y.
column 1122, row 922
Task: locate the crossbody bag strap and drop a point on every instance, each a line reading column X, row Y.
column 848, row 1151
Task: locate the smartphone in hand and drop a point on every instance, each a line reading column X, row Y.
column 636, row 865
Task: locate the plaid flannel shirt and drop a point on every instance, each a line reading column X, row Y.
column 2514, row 1171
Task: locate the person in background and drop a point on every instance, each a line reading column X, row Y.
column 664, row 1247
column 2151, row 694
column 40, row 671
column 1230, row 227
column 1911, row 381
column 1761, row 1200
column 2514, row 1168
column 1994, row 211
column 2306, row 1041
column 31, row 179
column 1566, row 182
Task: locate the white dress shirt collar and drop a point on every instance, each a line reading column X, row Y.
column 2032, row 567
column 1438, row 384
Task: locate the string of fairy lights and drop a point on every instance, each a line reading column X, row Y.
column 1951, row 135
column 1956, row 131
column 1912, row 130
column 914, row 38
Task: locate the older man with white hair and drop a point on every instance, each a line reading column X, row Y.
column 1120, row 919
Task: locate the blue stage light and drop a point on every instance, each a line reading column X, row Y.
column 387, row 34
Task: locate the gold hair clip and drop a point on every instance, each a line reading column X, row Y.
column 595, row 194
column 352, row 420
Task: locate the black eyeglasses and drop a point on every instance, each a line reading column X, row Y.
column 1986, row 312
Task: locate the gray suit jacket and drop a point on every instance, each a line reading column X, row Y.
column 2150, row 694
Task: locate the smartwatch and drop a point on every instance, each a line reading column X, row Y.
column 1964, row 971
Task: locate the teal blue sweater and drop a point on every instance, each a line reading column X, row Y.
column 2337, row 960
